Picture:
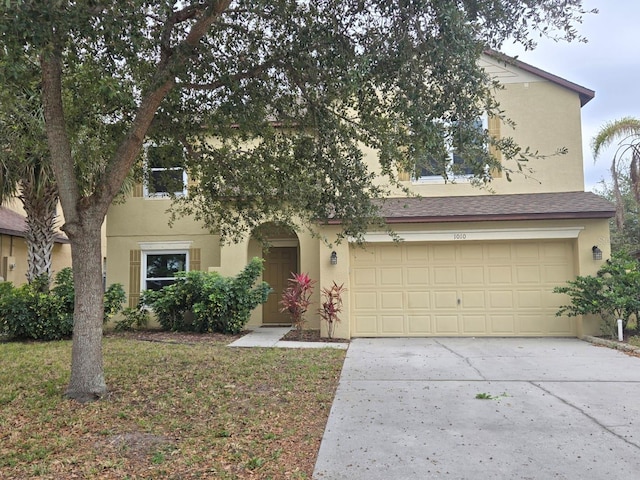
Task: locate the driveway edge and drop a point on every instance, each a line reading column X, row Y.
column 611, row 344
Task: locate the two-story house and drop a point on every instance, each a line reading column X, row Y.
column 471, row 261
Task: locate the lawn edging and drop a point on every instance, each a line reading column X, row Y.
column 605, row 342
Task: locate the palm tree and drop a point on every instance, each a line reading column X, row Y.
column 26, row 174
column 626, row 131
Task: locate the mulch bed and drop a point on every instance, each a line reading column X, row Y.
column 310, row 336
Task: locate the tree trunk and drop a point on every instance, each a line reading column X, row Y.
column 87, row 375
column 41, row 218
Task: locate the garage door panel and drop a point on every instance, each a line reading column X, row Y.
column 417, row 276
column 416, row 300
column 472, row 275
column 391, row 300
column 443, row 253
column 390, row 255
column 446, row 324
column 391, row 276
column 528, row 274
column 529, row 298
column 392, row 324
column 445, row 299
column 554, row 300
column 474, row 324
column 526, row 251
column 419, row 324
column 363, row 257
column 417, row 253
column 497, row 253
column 472, row 253
column 561, row 325
column 500, row 275
column 445, row 276
column 502, row 324
column 532, row 324
column 365, row 300
column 457, row 288
column 364, row 277
column 366, row 325
column 556, row 274
column 501, row 299
column 555, row 250
column 473, row 299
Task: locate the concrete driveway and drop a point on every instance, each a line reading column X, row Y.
column 557, row 409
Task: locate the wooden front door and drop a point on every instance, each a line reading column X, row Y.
column 278, row 265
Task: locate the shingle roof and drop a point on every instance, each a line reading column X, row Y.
column 533, row 206
column 14, row 224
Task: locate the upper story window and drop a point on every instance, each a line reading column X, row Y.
column 431, row 170
column 159, row 268
column 165, row 172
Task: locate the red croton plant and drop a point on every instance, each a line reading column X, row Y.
column 331, row 306
column 296, row 298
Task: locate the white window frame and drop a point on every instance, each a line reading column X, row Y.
column 165, row 248
column 436, row 179
column 150, row 170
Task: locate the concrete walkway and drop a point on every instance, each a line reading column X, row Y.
column 492, row 408
column 270, row 337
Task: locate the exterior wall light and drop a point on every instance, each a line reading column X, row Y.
column 334, row 258
column 597, row 253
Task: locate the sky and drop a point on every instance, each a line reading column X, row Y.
column 609, row 64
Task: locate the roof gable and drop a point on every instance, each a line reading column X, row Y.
column 501, row 65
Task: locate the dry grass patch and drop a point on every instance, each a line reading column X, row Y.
column 198, row 410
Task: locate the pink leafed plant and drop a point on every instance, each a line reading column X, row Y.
column 331, row 306
column 296, row 298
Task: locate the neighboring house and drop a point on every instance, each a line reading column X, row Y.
column 473, row 262
column 13, row 248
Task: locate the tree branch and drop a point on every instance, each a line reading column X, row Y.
column 57, row 138
column 121, row 163
column 252, row 73
column 180, row 16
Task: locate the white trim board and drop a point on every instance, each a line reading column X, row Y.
column 464, row 235
column 168, row 245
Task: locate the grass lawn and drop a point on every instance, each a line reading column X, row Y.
column 175, row 410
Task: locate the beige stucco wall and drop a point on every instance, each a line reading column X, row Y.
column 13, row 250
column 145, row 220
column 547, row 118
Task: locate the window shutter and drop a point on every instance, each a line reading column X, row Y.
column 404, row 176
column 134, row 277
column 194, row 259
column 493, row 125
column 137, row 190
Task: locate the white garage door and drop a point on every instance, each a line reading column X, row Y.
column 471, row 289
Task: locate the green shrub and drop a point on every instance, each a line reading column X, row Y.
column 208, row 302
column 27, row 312
column 613, row 293
column 132, row 319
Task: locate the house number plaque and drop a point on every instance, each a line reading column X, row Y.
column 459, row 236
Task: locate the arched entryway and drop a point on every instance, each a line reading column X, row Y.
column 281, row 252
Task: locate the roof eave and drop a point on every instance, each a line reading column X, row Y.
column 502, row 218
column 490, row 218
